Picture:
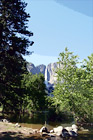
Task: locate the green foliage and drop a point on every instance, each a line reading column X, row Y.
column 14, row 42
column 74, row 88
column 34, row 87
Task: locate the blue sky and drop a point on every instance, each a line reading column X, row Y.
column 57, row 24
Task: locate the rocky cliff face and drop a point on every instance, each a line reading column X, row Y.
column 49, row 74
column 48, row 71
column 31, row 68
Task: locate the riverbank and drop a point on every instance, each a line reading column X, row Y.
column 9, row 131
column 13, row 131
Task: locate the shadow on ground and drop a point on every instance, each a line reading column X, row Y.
column 17, row 136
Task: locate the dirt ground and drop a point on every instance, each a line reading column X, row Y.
column 9, row 131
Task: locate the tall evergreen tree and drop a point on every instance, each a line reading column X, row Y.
column 14, row 42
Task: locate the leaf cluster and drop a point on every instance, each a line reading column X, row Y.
column 34, row 88
column 74, row 88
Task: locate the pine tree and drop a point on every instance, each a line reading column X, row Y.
column 14, row 42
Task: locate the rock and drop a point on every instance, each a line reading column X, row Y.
column 75, row 130
column 31, row 68
column 51, row 135
column 17, row 125
column 41, row 69
column 50, row 73
column 71, row 130
column 36, row 131
column 5, row 121
column 30, row 133
column 68, row 128
column 73, row 133
column 65, row 133
column 58, row 130
column 83, row 129
column 36, row 70
column 43, row 129
column 44, row 134
column 51, row 131
column 74, row 126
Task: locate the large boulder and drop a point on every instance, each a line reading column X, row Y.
column 74, row 126
column 68, row 128
column 73, row 133
column 65, row 133
column 72, row 130
column 43, row 129
column 58, row 130
column 5, row 121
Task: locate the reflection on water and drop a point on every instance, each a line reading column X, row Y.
column 78, row 138
column 50, row 126
column 59, row 138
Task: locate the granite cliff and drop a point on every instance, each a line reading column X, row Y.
column 31, row 68
column 48, row 71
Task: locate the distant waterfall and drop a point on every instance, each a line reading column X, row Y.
column 46, row 81
column 46, row 74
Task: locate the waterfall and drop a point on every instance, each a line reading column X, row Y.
column 46, row 82
column 46, row 74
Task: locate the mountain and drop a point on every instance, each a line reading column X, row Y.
column 31, row 68
column 49, row 72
